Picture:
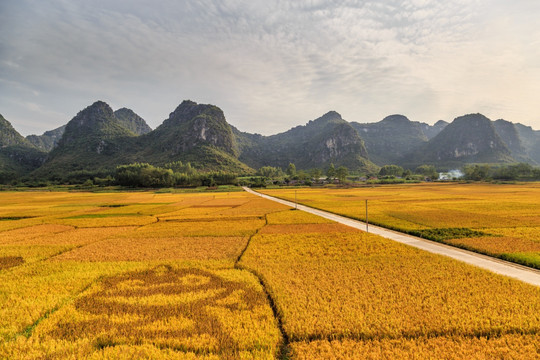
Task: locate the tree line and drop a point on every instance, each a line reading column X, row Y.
column 179, row 174
column 173, row 174
column 521, row 171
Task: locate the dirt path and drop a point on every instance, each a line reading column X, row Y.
column 523, row 273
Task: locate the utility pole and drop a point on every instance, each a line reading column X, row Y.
column 367, row 222
column 295, row 202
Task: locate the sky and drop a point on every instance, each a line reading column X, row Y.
column 270, row 64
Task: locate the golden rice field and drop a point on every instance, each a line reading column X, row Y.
column 233, row 276
column 497, row 220
column 132, row 275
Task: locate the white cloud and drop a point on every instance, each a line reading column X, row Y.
column 272, row 64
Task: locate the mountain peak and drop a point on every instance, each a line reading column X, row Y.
column 97, row 112
column 472, row 120
column 441, row 123
column 468, row 139
column 509, row 135
column 389, row 139
column 8, row 135
column 185, row 110
column 331, row 115
column 191, row 126
column 131, row 121
column 95, row 123
column 396, row 119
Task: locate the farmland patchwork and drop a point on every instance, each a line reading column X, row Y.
column 234, row 276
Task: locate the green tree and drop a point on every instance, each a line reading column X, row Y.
column 391, row 170
column 341, row 173
column 331, row 171
column 315, row 173
column 270, row 172
column 144, row 175
column 476, row 172
column 291, row 170
column 428, row 171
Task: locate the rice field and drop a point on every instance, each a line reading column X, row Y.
column 234, row 276
column 132, row 275
column 497, row 220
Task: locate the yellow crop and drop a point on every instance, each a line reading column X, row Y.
column 510, row 211
column 357, row 286
column 200, row 228
column 83, row 277
column 512, row 346
column 31, row 232
column 159, row 248
column 167, row 307
column 146, row 275
column 295, row 217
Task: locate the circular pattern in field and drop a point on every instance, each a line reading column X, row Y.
column 180, row 309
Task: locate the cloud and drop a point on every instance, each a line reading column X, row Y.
column 275, row 64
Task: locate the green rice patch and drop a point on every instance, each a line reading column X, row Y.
column 531, row 259
column 443, row 234
column 7, row 218
column 99, row 216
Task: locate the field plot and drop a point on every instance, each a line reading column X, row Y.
column 234, row 276
column 498, row 220
column 350, row 294
column 132, row 275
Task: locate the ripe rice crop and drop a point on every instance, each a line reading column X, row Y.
column 200, row 228
column 23, row 234
column 295, row 217
column 255, row 206
column 510, row 211
column 512, row 346
column 170, row 289
column 196, row 211
column 32, row 253
column 360, row 286
column 289, row 229
column 100, row 220
column 192, row 310
column 30, row 291
column 498, row 244
column 148, row 248
column 75, row 237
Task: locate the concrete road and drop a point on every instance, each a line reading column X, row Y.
column 523, row 273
